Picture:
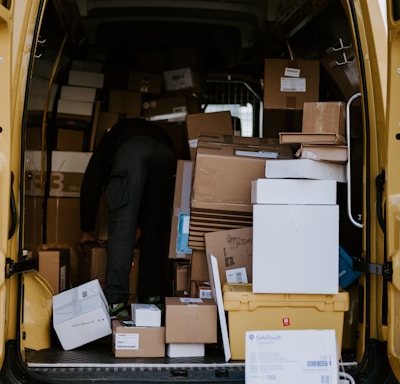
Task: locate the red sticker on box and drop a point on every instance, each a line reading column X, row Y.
column 286, row 321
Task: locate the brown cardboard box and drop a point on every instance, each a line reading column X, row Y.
column 93, row 264
column 233, row 251
column 131, row 341
column 33, row 222
column 62, row 220
column 70, row 139
column 144, row 82
column 178, row 248
column 290, row 83
column 222, row 176
column 324, row 117
column 172, row 108
column 54, row 266
column 121, row 101
column 181, row 276
column 281, row 120
column 213, row 122
column 199, row 266
column 190, row 320
column 211, row 217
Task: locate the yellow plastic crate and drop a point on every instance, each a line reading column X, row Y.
column 248, row 311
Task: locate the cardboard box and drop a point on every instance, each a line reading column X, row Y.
column 293, row 191
column 301, row 241
column 198, row 266
column 324, row 117
column 222, row 176
column 213, row 122
column 70, row 140
column 86, row 94
column 182, row 79
column 173, row 108
column 151, row 83
column 322, row 152
column 54, row 266
column 62, row 220
column 190, row 320
column 93, row 264
column 121, row 101
column 181, row 276
column 131, row 341
column 311, row 138
column 301, row 356
column 86, row 79
column 233, row 250
column 146, row 315
column 185, row 350
column 290, row 83
column 305, row 169
column 80, row 315
column 67, row 171
column 249, row 311
column 178, row 245
column 211, row 217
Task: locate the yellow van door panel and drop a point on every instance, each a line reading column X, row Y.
column 18, row 21
column 392, row 184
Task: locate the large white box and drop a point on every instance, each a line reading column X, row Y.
column 146, row 315
column 295, row 249
column 293, row 191
column 298, row 356
column 80, row 315
column 305, row 169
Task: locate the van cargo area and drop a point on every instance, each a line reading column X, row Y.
column 262, row 99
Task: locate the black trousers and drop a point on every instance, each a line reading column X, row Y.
column 139, row 193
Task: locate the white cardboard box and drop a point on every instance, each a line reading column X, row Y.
column 293, row 191
column 86, row 79
column 185, row 350
column 282, row 357
column 146, row 315
column 80, row 315
column 70, row 92
column 305, row 169
column 73, row 107
column 295, row 249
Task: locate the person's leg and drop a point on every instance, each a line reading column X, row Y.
column 124, row 191
column 155, row 217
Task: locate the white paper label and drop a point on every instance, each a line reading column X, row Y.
column 127, row 341
column 237, row 275
column 292, row 72
column 291, row 84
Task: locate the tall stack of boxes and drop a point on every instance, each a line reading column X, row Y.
column 295, row 242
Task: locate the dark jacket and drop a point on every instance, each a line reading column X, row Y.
column 100, row 164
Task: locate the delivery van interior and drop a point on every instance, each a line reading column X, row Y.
column 265, row 104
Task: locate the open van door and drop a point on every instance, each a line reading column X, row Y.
column 392, row 184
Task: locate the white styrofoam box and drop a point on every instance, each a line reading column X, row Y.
column 295, row 249
column 69, row 161
column 86, row 79
column 146, row 315
column 293, row 191
column 305, row 169
column 80, row 315
column 291, row 356
column 185, row 350
column 75, row 93
column 71, row 107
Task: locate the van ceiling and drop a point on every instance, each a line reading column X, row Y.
column 231, row 34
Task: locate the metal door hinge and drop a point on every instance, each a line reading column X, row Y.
column 384, row 269
column 13, row 267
